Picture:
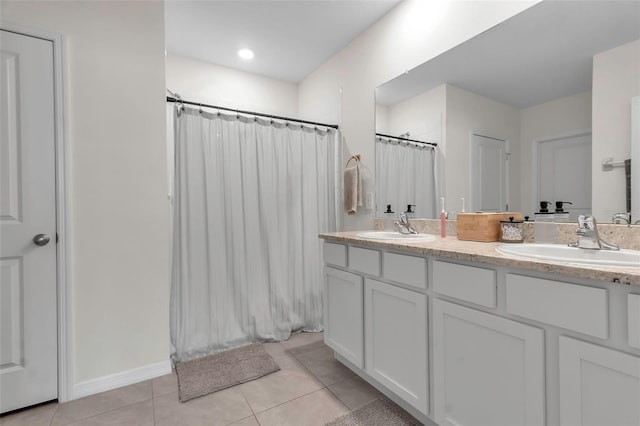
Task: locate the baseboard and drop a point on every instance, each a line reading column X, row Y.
column 123, row 378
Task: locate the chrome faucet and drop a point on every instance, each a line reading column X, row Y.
column 588, row 236
column 626, row 217
column 403, row 226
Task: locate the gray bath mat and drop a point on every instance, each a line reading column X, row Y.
column 219, row 371
column 377, row 413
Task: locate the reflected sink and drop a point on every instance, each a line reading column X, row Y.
column 392, row 235
column 566, row 254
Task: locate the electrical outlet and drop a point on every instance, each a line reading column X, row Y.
column 368, row 201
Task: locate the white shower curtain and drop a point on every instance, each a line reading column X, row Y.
column 405, row 174
column 250, row 197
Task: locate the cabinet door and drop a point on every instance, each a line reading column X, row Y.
column 343, row 314
column 487, row 370
column 396, row 347
column 598, row 386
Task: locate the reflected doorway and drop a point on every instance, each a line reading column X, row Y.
column 563, row 169
column 488, row 173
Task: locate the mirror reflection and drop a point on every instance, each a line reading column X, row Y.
column 536, row 109
column 410, row 182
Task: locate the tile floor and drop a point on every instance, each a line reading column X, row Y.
column 312, row 388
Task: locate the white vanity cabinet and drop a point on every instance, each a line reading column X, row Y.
column 460, row 342
column 396, row 340
column 598, row 385
column 487, row 370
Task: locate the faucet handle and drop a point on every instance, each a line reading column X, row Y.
column 588, row 222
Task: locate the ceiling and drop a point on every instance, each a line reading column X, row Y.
column 543, row 53
column 290, row 38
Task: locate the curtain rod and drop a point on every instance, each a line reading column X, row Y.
column 259, row 114
column 405, row 139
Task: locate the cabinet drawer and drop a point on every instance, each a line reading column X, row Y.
column 364, row 260
column 405, row 269
column 468, row 283
column 574, row 307
column 335, row 254
column 633, row 304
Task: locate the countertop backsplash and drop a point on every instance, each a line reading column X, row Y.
column 625, row 236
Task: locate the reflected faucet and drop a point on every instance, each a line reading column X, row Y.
column 588, row 236
column 403, row 226
column 626, row 217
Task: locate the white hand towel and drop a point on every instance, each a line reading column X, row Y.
column 352, row 189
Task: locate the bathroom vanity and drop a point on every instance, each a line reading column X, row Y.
column 459, row 334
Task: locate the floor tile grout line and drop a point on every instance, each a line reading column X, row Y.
column 246, row 401
column 288, row 401
column 340, row 399
column 153, row 408
column 54, row 413
column 102, row 413
column 327, row 386
column 318, row 379
column 244, row 418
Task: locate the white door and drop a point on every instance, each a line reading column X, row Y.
column 488, row 174
column 28, row 310
column 564, row 173
column 598, row 386
column 396, row 347
column 343, row 315
column 487, row 370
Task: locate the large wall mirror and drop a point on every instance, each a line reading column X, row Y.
column 538, row 108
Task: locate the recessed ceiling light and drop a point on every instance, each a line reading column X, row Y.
column 245, row 53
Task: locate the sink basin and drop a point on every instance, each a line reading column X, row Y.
column 392, row 235
column 566, row 254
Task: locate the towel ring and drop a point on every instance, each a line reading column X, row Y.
column 355, row 157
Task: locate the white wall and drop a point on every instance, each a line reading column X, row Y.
column 616, row 79
column 545, row 121
column 466, row 113
column 117, row 178
column 382, row 119
column 202, row 82
column 421, row 115
column 342, row 89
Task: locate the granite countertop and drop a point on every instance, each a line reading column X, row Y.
column 473, row 251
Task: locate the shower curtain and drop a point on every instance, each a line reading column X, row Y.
column 250, row 197
column 406, row 174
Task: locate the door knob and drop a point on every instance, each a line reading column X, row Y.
column 41, row 239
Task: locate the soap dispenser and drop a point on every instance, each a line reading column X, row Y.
column 544, row 229
column 560, row 215
column 389, row 219
column 410, row 212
